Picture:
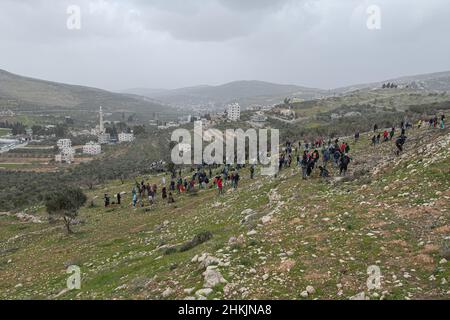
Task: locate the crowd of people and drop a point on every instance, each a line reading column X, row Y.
column 309, row 155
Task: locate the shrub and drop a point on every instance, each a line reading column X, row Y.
column 65, row 203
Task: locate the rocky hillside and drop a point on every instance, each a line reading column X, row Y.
column 272, row 238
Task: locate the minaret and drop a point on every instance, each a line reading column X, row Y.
column 101, row 128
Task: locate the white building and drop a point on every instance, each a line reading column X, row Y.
column 7, row 113
column 92, row 148
column 126, row 137
column 168, row 125
column 104, row 138
column 64, row 143
column 185, row 119
column 172, row 124
column 66, row 155
column 234, row 112
column 259, row 117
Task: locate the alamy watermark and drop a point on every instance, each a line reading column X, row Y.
column 374, row 279
column 73, row 22
column 74, row 19
column 213, row 153
column 74, row 280
column 374, row 17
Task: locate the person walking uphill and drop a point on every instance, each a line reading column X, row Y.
column 374, row 140
column 343, row 166
column 134, row 197
column 220, row 184
column 337, row 156
column 107, row 200
column 399, row 143
column 305, row 164
column 392, row 133
column 236, row 180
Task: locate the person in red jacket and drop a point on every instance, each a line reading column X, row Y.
column 220, row 185
column 342, row 147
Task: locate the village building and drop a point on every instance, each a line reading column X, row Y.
column 92, row 148
column 126, row 137
column 168, row 125
column 66, row 155
column 66, row 152
column 7, row 113
column 104, row 138
column 234, row 112
column 259, row 117
column 64, row 143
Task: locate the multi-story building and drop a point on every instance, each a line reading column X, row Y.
column 104, row 138
column 126, row 137
column 64, row 143
column 92, row 148
column 66, row 155
column 234, row 111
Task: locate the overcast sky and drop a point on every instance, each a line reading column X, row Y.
column 175, row 43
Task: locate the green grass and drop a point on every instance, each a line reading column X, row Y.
column 15, row 165
column 4, row 132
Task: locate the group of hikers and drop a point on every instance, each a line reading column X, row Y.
column 199, row 180
column 150, row 191
column 389, row 135
column 307, row 155
column 332, row 152
column 400, row 141
column 227, row 176
column 433, row 122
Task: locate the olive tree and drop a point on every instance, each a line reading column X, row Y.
column 65, row 203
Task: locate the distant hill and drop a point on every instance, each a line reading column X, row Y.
column 266, row 93
column 51, row 95
column 244, row 92
column 439, row 81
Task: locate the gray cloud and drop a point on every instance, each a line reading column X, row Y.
column 172, row 43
